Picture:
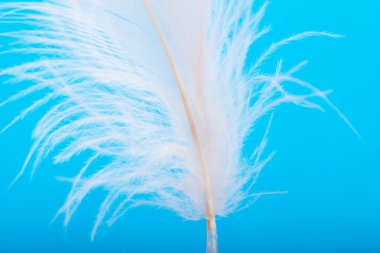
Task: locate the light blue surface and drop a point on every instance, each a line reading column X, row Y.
column 333, row 204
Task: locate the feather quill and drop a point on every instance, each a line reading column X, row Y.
column 159, row 91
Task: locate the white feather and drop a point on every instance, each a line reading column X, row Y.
column 141, row 83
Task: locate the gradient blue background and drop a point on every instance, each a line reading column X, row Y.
column 333, row 204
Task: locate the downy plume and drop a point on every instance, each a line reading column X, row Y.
column 157, row 92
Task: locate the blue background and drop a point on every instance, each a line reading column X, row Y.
column 333, row 204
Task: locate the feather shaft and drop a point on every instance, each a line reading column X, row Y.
column 210, row 213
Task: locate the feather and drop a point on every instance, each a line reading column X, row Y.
column 157, row 92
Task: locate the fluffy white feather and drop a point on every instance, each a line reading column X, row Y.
column 159, row 88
